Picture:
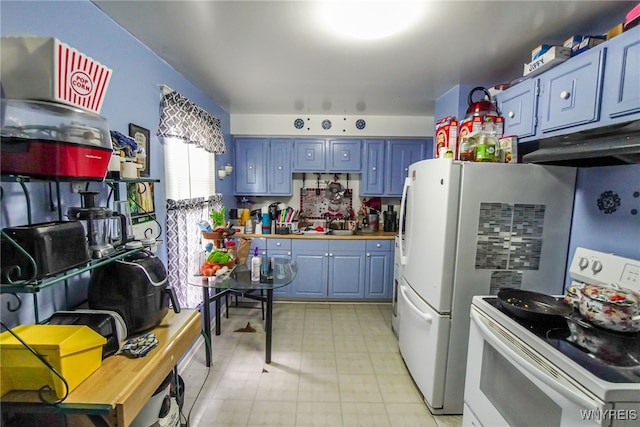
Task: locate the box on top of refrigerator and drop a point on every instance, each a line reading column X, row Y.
column 44, row 68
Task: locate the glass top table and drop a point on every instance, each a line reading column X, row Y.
column 278, row 273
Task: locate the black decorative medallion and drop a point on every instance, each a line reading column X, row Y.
column 609, row 202
column 298, row 123
column 326, row 124
column 360, row 124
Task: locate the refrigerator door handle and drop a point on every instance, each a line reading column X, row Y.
column 405, row 190
column 426, row 317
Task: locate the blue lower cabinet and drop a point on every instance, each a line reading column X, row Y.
column 378, row 269
column 339, row 269
column 346, row 269
column 312, row 258
column 279, row 248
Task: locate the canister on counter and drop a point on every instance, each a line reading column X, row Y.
column 245, row 216
column 266, row 224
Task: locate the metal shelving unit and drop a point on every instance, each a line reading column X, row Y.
column 32, row 286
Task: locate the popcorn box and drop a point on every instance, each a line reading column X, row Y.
column 446, row 134
column 44, row 68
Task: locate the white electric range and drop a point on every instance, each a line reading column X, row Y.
column 561, row 373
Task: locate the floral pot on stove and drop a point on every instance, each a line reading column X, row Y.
column 610, row 307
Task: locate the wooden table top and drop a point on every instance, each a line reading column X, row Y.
column 121, row 387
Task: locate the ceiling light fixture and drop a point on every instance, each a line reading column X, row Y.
column 369, row 20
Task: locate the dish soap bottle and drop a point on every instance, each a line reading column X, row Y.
column 255, row 266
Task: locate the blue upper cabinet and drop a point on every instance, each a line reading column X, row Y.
column 344, row 155
column 598, row 88
column 400, row 154
column 279, row 172
column 621, row 95
column 372, row 182
column 263, row 166
column 518, row 106
column 309, row 155
column 386, row 163
column 250, row 172
column 570, row 93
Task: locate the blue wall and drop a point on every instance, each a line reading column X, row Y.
column 133, row 96
column 617, row 232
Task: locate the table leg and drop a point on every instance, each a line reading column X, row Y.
column 218, row 312
column 268, row 324
column 206, row 311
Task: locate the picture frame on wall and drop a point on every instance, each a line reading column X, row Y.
column 142, row 137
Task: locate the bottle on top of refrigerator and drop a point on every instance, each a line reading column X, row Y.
column 255, row 266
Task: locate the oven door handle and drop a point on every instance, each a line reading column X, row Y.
column 522, row 361
column 424, row 316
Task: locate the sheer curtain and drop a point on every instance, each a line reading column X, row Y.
column 191, row 136
column 184, row 244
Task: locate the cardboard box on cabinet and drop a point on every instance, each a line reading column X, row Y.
column 587, row 43
column 554, row 56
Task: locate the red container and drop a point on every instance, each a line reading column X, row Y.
column 53, row 141
column 53, row 159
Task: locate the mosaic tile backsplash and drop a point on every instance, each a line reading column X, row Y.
column 509, row 236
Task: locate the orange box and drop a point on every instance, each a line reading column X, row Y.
column 45, row 68
column 474, row 124
column 446, row 134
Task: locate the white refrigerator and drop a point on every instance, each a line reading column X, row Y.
column 471, row 228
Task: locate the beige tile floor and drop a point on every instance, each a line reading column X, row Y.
column 333, row 364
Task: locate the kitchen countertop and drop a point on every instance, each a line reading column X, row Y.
column 378, row 235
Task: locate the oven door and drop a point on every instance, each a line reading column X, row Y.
column 509, row 384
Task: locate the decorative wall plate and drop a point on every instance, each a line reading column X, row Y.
column 326, row 124
column 298, row 123
column 360, row 124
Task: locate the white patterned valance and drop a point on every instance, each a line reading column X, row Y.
column 181, row 118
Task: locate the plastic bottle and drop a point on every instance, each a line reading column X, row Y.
column 255, row 266
column 487, row 143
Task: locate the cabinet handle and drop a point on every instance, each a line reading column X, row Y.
column 564, row 94
column 278, row 244
column 289, row 253
column 373, row 168
column 344, row 154
column 378, row 245
column 326, row 254
column 308, row 154
column 250, row 167
column 280, row 168
column 406, row 169
column 511, row 114
column 368, row 254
